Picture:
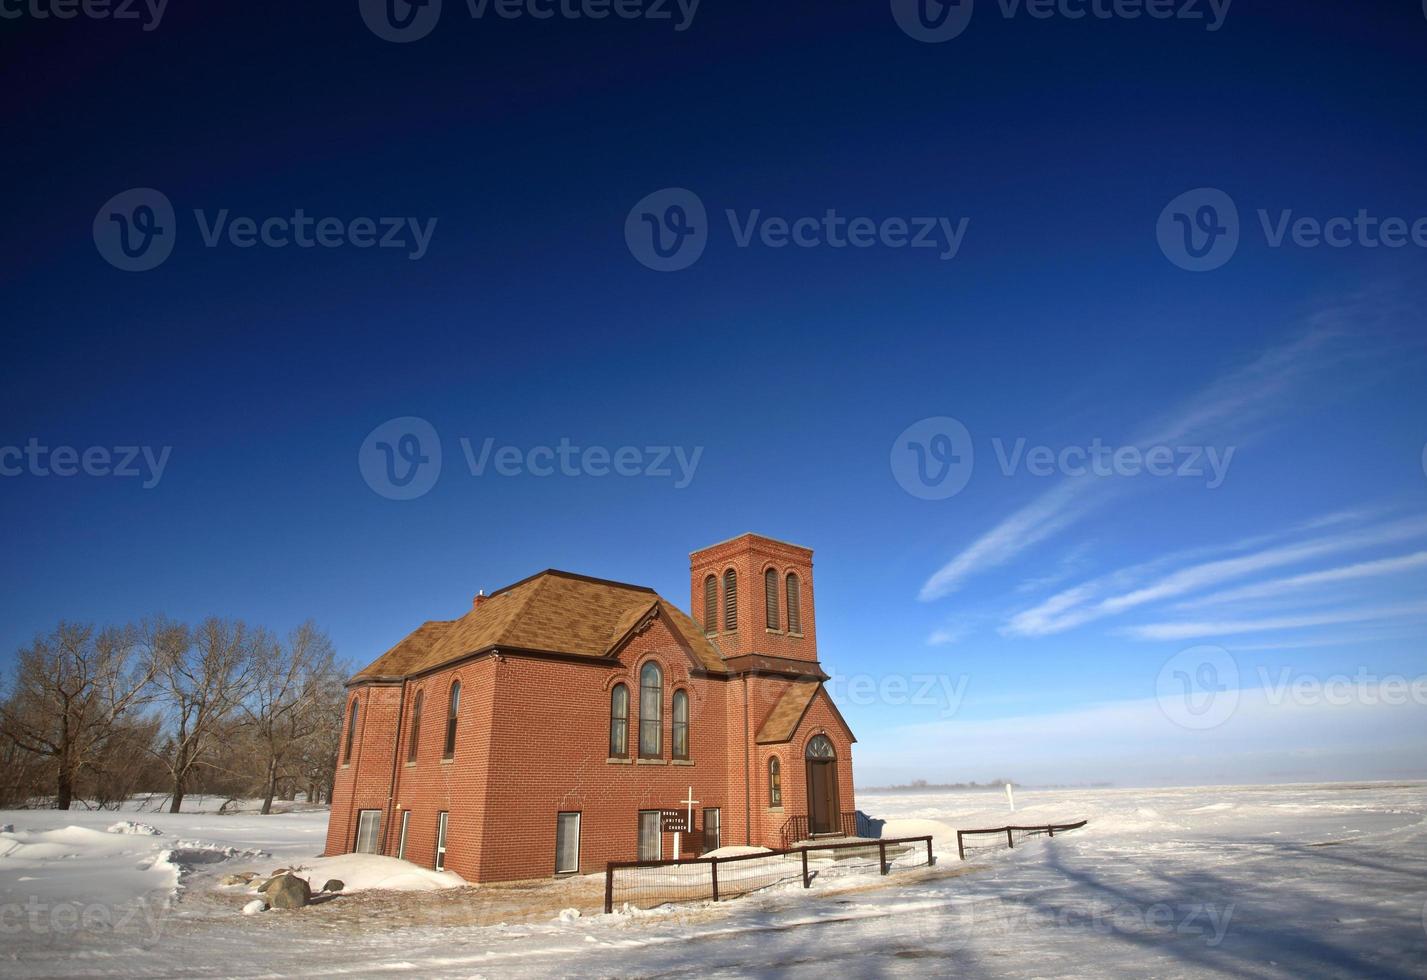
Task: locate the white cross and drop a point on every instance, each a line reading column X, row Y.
column 688, row 822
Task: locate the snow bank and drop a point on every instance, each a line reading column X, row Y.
column 734, row 850
column 130, row 827
column 914, row 827
column 365, row 872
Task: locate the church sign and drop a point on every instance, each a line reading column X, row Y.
column 673, row 820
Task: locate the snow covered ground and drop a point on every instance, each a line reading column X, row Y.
column 1283, row 881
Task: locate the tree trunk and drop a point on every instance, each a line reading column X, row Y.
column 272, row 786
column 64, row 792
column 177, row 797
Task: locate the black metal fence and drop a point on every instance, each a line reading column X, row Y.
column 645, row 884
column 1010, row 834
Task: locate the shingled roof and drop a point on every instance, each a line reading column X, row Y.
column 552, row 612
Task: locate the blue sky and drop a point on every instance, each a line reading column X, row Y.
column 1048, row 604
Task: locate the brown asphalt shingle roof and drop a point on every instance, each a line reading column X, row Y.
column 783, row 720
column 553, row 612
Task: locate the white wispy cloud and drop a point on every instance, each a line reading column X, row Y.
column 1075, row 607
column 1209, row 628
column 1248, row 397
column 1310, row 580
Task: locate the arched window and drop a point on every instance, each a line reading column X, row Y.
column 711, row 604
column 619, row 722
column 351, row 733
column 775, row 782
column 795, row 611
column 414, row 739
column 651, row 711
column 452, row 712
column 770, row 598
column 820, row 747
column 681, row 725
column 730, row 600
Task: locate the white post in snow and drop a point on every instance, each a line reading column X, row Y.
column 688, row 822
column 1011, row 797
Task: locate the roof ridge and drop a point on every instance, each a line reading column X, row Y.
column 561, row 573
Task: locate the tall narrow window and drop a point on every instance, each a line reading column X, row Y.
column 681, row 725
column 567, row 843
column 619, row 722
column 713, row 830
column 795, row 611
column 770, row 599
column 775, row 782
column 442, row 819
column 651, row 839
column 451, row 714
column 414, row 739
column 651, row 711
column 730, row 600
column 711, row 605
column 351, row 733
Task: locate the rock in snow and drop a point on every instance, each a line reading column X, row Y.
column 333, row 885
column 255, row 906
column 288, row 892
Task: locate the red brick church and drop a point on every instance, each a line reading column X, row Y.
column 542, row 732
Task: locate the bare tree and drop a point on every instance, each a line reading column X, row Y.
column 287, row 706
column 72, row 690
column 203, row 674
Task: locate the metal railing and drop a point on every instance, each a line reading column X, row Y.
column 1012, row 832
column 796, row 828
column 646, row 884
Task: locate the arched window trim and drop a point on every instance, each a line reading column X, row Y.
column 775, row 782
column 680, row 730
column 770, row 598
column 351, row 731
column 820, row 747
column 453, row 712
column 711, row 604
column 730, row 601
column 793, row 589
column 619, row 721
column 651, row 710
column 413, row 739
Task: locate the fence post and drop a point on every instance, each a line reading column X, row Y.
column 1050, row 830
column 713, row 867
column 931, row 858
column 1010, row 840
column 608, row 889
column 807, row 882
column 882, row 855
column 961, row 845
